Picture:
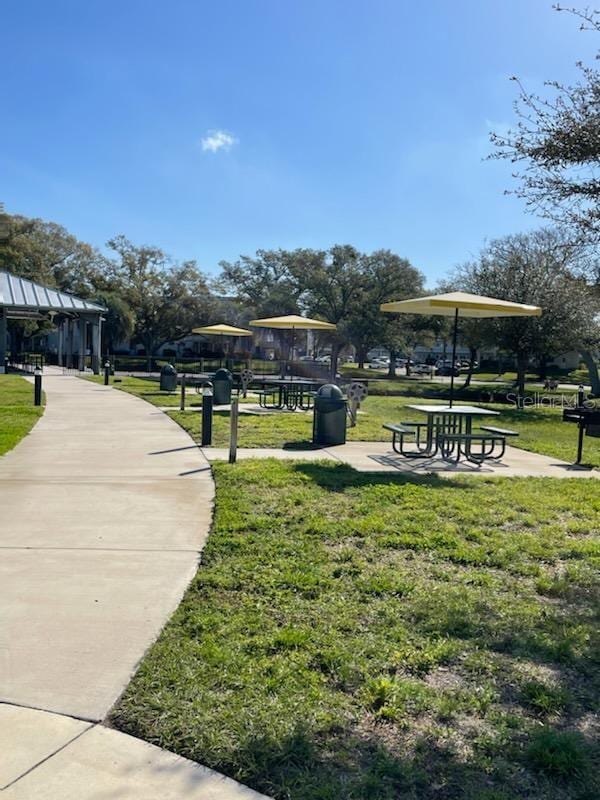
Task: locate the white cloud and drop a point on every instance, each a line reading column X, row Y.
column 217, row 140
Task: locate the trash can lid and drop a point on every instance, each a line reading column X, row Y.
column 331, row 391
column 222, row 374
column 168, row 369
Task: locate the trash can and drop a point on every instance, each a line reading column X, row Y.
column 168, row 378
column 222, row 383
column 329, row 418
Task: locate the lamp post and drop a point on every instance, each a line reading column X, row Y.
column 37, row 387
column 207, row 409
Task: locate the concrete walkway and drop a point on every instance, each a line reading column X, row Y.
column 379, row 457
column 105, row 508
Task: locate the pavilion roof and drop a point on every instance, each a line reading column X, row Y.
column 20, row 294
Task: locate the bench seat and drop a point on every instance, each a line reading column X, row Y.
column 499, row 431
column 401, row 429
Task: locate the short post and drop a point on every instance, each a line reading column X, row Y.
column 233, row 433
column 37, row 387
column 207, row 409
column 580, row 396
column 106, row 373
column 182, row 399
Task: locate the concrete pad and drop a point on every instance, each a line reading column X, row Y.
column 379, row 457
column 222, row 454
column 103, row 764
column 28, row 737
column 75, row 623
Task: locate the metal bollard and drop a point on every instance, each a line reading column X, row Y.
column 233, row 430
column 207, row 409
column 182, row 399
column 106, row 373
column 37, row 387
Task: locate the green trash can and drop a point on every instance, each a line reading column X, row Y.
column 329, row 418
column 168, row 378
column 222, row 385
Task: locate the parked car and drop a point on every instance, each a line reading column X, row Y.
column 422, row 369
column 379, row 364
column 323, row 360
column 447, row 370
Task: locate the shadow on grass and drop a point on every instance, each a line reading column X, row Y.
column 302, row 444
column 338, row 477
column 370, row 763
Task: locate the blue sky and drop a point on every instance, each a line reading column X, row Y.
column 323, row 121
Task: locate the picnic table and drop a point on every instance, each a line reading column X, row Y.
column 287, row 393
column 449, row 431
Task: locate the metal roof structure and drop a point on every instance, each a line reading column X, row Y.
column 19, row 294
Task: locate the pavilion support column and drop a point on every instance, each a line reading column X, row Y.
column 97, row 344
column 60, row 343
column 69, row 324
column 3, row 338
column 82, row 343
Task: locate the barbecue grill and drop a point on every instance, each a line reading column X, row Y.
column 588, row 420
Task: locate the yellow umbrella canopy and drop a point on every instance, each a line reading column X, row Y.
column 292, row 322
column 464, row 304
column 455, row 304
column 222, row 330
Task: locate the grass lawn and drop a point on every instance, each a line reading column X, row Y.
column 374, row 637
column 541, row 429
column 148, row 390
column 18, row 415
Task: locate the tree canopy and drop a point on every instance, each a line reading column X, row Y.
column 556, row 147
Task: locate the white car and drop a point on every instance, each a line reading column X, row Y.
column 422, row 369
column 379, row 363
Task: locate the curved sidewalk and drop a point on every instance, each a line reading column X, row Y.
column 106, row 505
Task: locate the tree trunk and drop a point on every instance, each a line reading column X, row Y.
column 392, row 367
column 335, row 351
column 408, row 371
column 472, row 354
column 592, row 366
column 360, row 356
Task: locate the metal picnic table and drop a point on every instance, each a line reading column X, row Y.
column 291, row 393
column 449, row 430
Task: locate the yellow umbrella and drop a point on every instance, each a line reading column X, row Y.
column 453, row 304
column 293, row 322
column 222, row 330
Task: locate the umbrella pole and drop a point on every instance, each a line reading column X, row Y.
column 454, row 335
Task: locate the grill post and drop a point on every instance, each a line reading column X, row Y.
column 182, row 399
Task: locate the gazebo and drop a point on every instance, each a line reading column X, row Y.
column 23, row 299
